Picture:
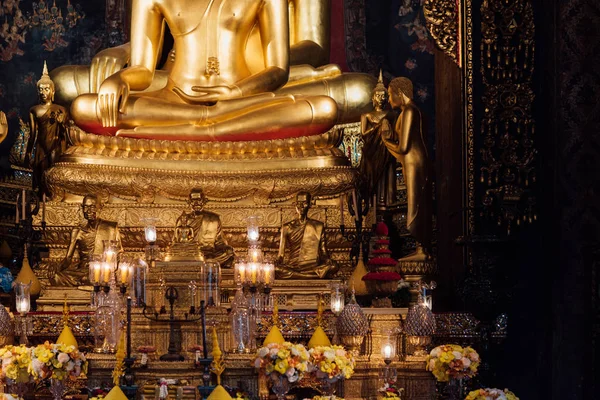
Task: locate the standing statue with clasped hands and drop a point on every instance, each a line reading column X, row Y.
column 48, row 132
column 408, row 146
column 377, row 167
column 88, row 239
column 304, row 240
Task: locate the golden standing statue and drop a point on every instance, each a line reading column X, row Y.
column 3, row 126
column 304, row 239
column 203, row 228
column 408, row 146
column 88, row 240
column 48, row 132
column 229, row 58
column 377, row 167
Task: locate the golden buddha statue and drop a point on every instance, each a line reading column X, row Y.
column 48, row 132
column 3, row 126
column 304, row 239
column 88, row 240
column 226, row 78
column 377, row 166
column 408, row 147
column 203, row 229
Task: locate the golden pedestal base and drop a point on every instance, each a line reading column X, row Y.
column 148, row 171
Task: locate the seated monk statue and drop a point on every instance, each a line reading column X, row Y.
column 88, row 240
column 220, row 83
column 204, row 228
column 304, row 238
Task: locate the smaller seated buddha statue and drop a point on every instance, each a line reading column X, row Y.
column 199, row 229
column 304, row 239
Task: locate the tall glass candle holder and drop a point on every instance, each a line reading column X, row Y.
column 211, row 282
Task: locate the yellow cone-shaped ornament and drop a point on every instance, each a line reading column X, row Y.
column 319, row 338
column 355, row 281
column 116, row 394
column 26, row 275
column 219, row 393
column 67, row 337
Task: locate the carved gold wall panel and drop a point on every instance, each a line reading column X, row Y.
column 507, row 151
column 444, row 23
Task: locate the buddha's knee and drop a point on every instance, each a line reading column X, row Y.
column 324, row 109
column 70, row 81
column 83, row 112
column 357, row 92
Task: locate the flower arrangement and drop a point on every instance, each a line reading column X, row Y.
column 331, row 362
column 15, row 363
column 287, row 359
column 332, row 397
column 491, row 394
column 390, row 391
column 452, row 361
column 56, row 361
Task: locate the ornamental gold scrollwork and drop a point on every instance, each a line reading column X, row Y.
column 443, row 21
column 508, row 153
column 144, row 185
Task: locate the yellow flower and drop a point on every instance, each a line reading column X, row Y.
column 281, row 366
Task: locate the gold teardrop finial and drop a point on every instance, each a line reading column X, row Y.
column 380, row 87
column 218, row 366
column 276, row 315
column 45, row 79
column 320, row 311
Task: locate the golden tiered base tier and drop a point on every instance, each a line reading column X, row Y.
column 147, row 171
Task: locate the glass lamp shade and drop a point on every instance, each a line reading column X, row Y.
column 337, row 298
column 211, row 282
column 111, row 250
column 150, row 229
column 106, row 270
column 125, row 271
column 239, row 271
column 268, row 272
column 240, row 322
column 388, row 348
column 95, row 267
column 253, row 228
column 23, row 297
column 138, row 283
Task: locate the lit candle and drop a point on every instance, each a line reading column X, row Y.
column 23, row 199
column 253, row 271
column 268, row 271
column 150, row 233
column 95, row 266
column 336, row 306
column 105, row 272
column 355, row 205
column 125, row 272
column 387, row 351
column 22, row 305
column 252, row 234
column 341, row 210
column 242, row 271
